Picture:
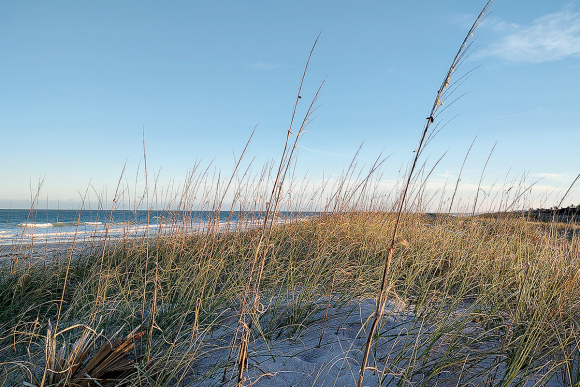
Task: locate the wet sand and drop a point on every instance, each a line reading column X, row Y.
column 43, row 251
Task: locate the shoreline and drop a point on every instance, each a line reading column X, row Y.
column 47, row 248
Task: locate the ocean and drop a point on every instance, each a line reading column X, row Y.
column 56, row 226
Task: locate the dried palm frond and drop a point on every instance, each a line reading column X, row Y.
column 113, row 361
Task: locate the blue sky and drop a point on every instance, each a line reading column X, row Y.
column 81, row 80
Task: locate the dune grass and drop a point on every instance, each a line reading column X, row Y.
column 500, row 297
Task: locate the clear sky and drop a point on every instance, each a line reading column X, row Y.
column 80, row 81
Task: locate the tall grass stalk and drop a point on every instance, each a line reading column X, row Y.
column 459, row 176
column 439, row 99
column 259, row 256
column 481, row 180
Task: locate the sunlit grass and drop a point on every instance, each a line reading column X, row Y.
column 461, row 277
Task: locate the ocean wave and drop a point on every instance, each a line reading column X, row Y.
column 63, row 224
column 58, row 224
column 63, row 232
column 74, row 224
column 36, row 225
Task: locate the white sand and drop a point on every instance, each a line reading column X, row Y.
column 405, row 343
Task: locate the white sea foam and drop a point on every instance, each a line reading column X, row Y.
column 35, row 225
column 61, row 232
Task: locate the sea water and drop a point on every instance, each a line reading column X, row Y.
column 58, row 226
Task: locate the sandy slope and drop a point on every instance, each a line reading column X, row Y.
column 409, row 351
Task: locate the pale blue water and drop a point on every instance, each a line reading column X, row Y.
column 48, row 226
